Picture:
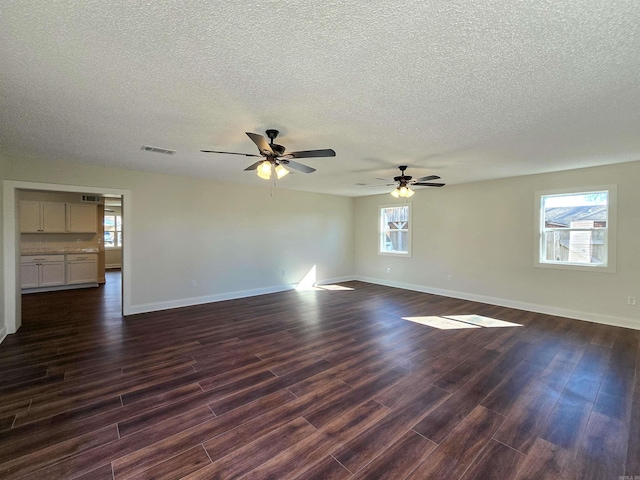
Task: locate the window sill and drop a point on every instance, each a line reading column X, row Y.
column 577, row 267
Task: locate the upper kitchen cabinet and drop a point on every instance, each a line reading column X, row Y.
column 57, row 217
column 42, row 217
column 82, row 218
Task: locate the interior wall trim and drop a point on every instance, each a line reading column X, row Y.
column 220, row 297
column 612, row 320
column 187, row 302
column 3, row 333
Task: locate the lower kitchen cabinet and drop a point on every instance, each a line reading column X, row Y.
column 82, row 269
column 42, row 271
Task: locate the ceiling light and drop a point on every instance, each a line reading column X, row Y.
column 281, row 171
column 264, row 170
column 402, row 191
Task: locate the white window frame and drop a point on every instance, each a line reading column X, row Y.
column 610, row 232
column 381, row 231
column 115, row 232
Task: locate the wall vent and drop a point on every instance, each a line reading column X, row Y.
column 166, row 151
column 91, row 198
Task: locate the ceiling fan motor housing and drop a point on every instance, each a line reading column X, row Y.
column 277, row 149
column 272, row 134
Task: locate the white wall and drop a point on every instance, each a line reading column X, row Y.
column 482, row 234
column 3, row 327
column 232, row 240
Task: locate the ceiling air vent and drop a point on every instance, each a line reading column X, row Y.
column 166, row 151
column 91, row 198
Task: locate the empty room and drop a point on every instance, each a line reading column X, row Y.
column 320, row 240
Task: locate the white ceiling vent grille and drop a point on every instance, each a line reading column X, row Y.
column 166, row 151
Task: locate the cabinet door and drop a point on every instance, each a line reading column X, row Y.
column 82, row 272
column 51, row 274
column 53, row 217
column 30, row 217
column 82, row 218
column 29, row 275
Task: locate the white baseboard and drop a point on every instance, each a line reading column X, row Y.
column 615, row 321
column 187, row 302
column 502, row 302
column 3, row 333
column 329, row 281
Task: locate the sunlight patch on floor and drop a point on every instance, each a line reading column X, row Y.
column 440, row 322
column 457, row 322
column 333, row 288
column 483, row 321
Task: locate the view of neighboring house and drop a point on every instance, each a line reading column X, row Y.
column 575, row 234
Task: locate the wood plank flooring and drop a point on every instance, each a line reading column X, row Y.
column 324, row 384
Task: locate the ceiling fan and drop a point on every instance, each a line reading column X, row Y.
column 275, row 158
column 404, row 182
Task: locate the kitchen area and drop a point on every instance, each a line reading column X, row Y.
column 62, row 241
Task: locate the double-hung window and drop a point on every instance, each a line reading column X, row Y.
column 112, row 230
column 394, row 231
column 576, row 228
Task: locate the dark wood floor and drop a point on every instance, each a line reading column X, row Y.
column 313, row 385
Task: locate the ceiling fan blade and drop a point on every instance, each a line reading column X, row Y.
column 328, row 152
column 428, row 178
column 297, row 166
column 428, row 184
column 254, row 166
column 231, row 153
column 261, row 143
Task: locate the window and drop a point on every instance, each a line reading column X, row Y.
column 577, row 228
column 394, row 230
column 112, row 230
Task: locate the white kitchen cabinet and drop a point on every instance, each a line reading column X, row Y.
column 82, row 218
column 42, row 217
column 42, row 271
column 82, row 268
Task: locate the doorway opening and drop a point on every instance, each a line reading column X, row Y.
column 12, row 244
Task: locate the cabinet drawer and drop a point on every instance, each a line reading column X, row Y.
column 41, row 258
column 75, row 257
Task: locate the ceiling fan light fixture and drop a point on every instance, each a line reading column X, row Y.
column 264, row 170
column 402, row 191
column 281, row 171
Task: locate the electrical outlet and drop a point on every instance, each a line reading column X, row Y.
column 631, row 300
column 388, row 269
column 284, row 273
column 194, row 283
column 449, row 277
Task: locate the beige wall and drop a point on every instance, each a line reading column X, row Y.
column 482, row 234
column 232, row 240
column 113, row 257
column 236, row 240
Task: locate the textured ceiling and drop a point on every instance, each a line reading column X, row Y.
column 468, row 90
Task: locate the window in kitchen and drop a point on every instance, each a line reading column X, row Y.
column 394, row 231
column 112, row 230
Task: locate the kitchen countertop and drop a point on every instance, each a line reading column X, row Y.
column 59, row 251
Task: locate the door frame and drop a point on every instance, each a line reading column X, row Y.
column 11, row 243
